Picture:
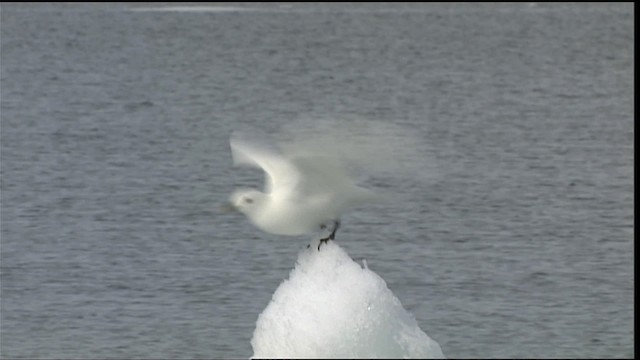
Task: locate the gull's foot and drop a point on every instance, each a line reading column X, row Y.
column 323, row 241
column 331, row 236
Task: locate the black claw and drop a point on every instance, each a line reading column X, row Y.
column 321, row 242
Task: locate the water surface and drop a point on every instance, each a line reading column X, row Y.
column 114, row 158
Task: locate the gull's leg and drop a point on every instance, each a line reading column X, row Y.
column 322, row 227
column 336, row 225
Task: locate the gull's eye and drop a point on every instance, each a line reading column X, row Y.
column 248, row 200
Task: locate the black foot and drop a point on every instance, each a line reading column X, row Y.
column 323, row 241
column 331, row 236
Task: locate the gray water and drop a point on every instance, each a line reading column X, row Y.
column 115, row 158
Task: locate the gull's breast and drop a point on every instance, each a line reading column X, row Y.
column 294, row 218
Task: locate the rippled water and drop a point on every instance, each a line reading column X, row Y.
column 114, row 159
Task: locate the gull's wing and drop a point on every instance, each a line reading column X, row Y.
column 299, row 171
column 320, row 174
column 281, row 174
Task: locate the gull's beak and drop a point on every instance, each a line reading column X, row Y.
column 227, row 207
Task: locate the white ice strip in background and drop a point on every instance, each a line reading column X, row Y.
column 331, row 307
column 192, row 8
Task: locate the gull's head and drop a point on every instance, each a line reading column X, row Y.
column 247, row 201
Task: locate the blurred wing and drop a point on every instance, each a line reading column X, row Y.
column 298, row 171
column 319, row 174
column 281, row 174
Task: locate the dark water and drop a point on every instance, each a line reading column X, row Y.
column 114, row 158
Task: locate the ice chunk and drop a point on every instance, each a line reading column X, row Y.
column 331, row 307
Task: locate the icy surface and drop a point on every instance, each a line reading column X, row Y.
column 332, row 307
